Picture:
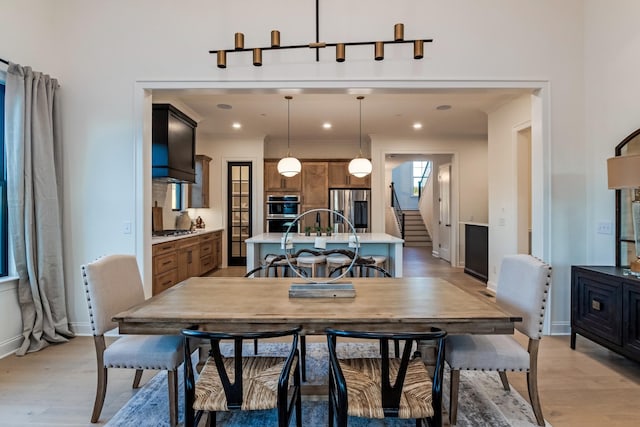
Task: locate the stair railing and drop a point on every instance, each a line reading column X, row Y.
column 397, row 210
column 426, row 174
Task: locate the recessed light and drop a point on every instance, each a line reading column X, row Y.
column 326, row 125
column 417, row 125
column 224, row 106
column 236, row 125
column 443, row 107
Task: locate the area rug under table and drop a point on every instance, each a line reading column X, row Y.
column 482, row 400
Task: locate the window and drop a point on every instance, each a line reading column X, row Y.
column 418, row 170
column 3, row 192
column 176, row 196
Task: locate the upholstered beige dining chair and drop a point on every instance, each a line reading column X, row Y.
column 523, row 286
column 113, row 285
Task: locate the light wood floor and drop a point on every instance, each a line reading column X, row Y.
column 586, row 387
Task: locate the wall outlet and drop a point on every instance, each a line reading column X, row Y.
column 605, row 228
column 126, row 227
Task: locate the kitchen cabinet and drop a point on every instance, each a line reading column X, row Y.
column 173, row 136
column 605, row 307
column 476, row 250
column 339, row 176
column 315, row 192
column 184, row 257
column 198, row 193
column 210, row 251
column 273, row 181
column 188, row 258
column 165, row 266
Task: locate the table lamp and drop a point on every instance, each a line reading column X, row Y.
column 624, row 172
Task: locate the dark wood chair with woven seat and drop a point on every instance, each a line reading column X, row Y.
column 242, row 383
column 385, row 387
column 360, row 268
column 365, row 267
column 273, row 267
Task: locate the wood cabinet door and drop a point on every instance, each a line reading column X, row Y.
column 597, row 305
column 198, row 193
column 315, row 184
column 339, row 177
column 632, row 319
column 315, row 192
column 189, row 261
column 273, row 181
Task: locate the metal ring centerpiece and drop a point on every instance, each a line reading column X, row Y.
column 356, row 244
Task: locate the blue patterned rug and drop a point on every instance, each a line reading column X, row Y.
column 482, row 401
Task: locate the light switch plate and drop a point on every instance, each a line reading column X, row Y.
column 605, row 227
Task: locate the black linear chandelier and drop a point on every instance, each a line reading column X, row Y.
column 398, row 38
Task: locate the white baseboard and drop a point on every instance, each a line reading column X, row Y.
column 561, row 328
column 9, row 346
column 81, row 328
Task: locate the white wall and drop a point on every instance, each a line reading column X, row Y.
column 104, row 52
column 469, row 175
column 612, row 110
column 502, row 181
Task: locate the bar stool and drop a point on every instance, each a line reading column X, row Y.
column 336, row 260
column 311, row 262
column 380, row 261
column 280, row 263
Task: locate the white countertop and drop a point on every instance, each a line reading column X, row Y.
column 339, row 238
column 480, row 224
column 196, row 232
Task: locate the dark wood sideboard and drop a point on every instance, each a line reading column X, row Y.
column 605, row 307
column 476, row 251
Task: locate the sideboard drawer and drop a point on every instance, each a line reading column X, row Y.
column 597, row 307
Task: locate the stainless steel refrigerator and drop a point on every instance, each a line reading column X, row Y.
column 355, row 205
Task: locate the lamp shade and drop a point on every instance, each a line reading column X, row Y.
column 623, row 172
column 360, row 167
column 289, row 166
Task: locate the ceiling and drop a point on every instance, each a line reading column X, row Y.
column 263, row 113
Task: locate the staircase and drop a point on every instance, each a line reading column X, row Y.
column 415, row 233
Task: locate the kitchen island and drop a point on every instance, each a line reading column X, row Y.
column 370, row 244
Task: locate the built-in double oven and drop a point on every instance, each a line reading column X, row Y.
column 282, row 210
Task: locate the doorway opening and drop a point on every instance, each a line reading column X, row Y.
column 523, row 177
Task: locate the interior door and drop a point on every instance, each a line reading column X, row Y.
column 444, row 222
column 239, row 209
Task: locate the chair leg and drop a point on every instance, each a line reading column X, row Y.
column 101, row 386
column 505, row 380
column 136, row 378
column 453, row 396
column 330, row 414
column 172, row 383
column 211, row 419
column 532, row 381
column 255, row 346
column 396, row 347
column 303, row 357
column 101, row 391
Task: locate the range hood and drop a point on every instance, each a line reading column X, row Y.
column 173, row 137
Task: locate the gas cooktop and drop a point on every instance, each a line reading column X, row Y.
column 165, row 233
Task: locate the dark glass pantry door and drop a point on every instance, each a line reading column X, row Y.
column 239, row 209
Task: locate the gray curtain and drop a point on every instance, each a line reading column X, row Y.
column 32, row 149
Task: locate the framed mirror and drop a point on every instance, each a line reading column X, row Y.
column 625, row 241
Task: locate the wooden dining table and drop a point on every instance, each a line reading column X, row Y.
column 236, row 304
